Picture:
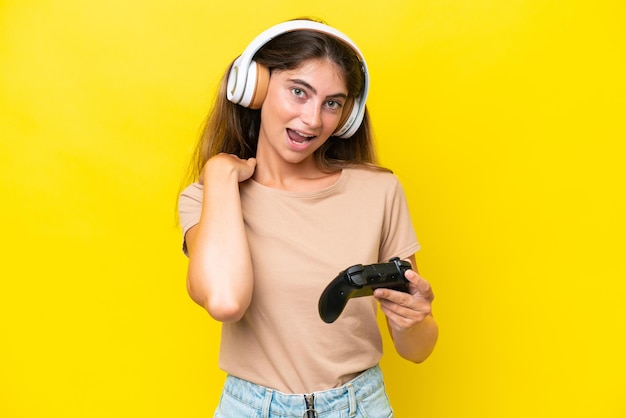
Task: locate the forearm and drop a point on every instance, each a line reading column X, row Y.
column 220, row 268
column 417, row 342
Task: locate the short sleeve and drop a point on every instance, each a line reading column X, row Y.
column 398, row 238
column 189, row 209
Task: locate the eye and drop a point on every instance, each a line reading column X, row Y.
column 334, row 105
column 298, row 92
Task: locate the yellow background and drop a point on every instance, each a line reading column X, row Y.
column 504, row 120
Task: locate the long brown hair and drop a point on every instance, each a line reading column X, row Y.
column 234, row 129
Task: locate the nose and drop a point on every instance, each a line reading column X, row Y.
column 311, row 114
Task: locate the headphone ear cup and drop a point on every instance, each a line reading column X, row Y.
column 348, row 109
column 255, row 87
column 234, row 85
column 260, row 87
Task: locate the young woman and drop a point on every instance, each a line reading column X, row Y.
column 286, row 194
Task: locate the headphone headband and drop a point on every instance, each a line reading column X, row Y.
column 247, row 81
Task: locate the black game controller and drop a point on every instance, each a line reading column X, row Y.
column 360, row 280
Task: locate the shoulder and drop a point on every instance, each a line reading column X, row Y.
column 375, row 184
column 372, row 177
column 190, row 199
column 192, row 192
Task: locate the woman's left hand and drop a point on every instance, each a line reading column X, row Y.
column 404, row 310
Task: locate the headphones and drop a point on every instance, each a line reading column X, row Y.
column 248, row 80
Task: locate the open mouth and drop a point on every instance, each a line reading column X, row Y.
column 299, row 137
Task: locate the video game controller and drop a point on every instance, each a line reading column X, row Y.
column 360, row 280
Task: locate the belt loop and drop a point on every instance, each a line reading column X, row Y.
column 267, row 402
column 352, row 400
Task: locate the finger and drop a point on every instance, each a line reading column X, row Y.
column 419, row 285
column 394, row 296
column 414, row 302
column 424, row 289
column 404, row 309
column 397, row 321
column 407, row 314
column 412, row 276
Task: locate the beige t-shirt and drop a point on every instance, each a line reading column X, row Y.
column 299, row 242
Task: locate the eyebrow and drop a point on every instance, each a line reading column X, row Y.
column 310, row 87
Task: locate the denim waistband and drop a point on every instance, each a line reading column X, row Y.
column 342, row 398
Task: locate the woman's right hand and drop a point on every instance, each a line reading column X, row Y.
column 226, row 164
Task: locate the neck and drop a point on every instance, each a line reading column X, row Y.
column 274, row 170
column 283, row 176
column 299, row 177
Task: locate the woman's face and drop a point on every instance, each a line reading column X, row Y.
column 301, row 111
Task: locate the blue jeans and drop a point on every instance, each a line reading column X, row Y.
column 362, row 397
